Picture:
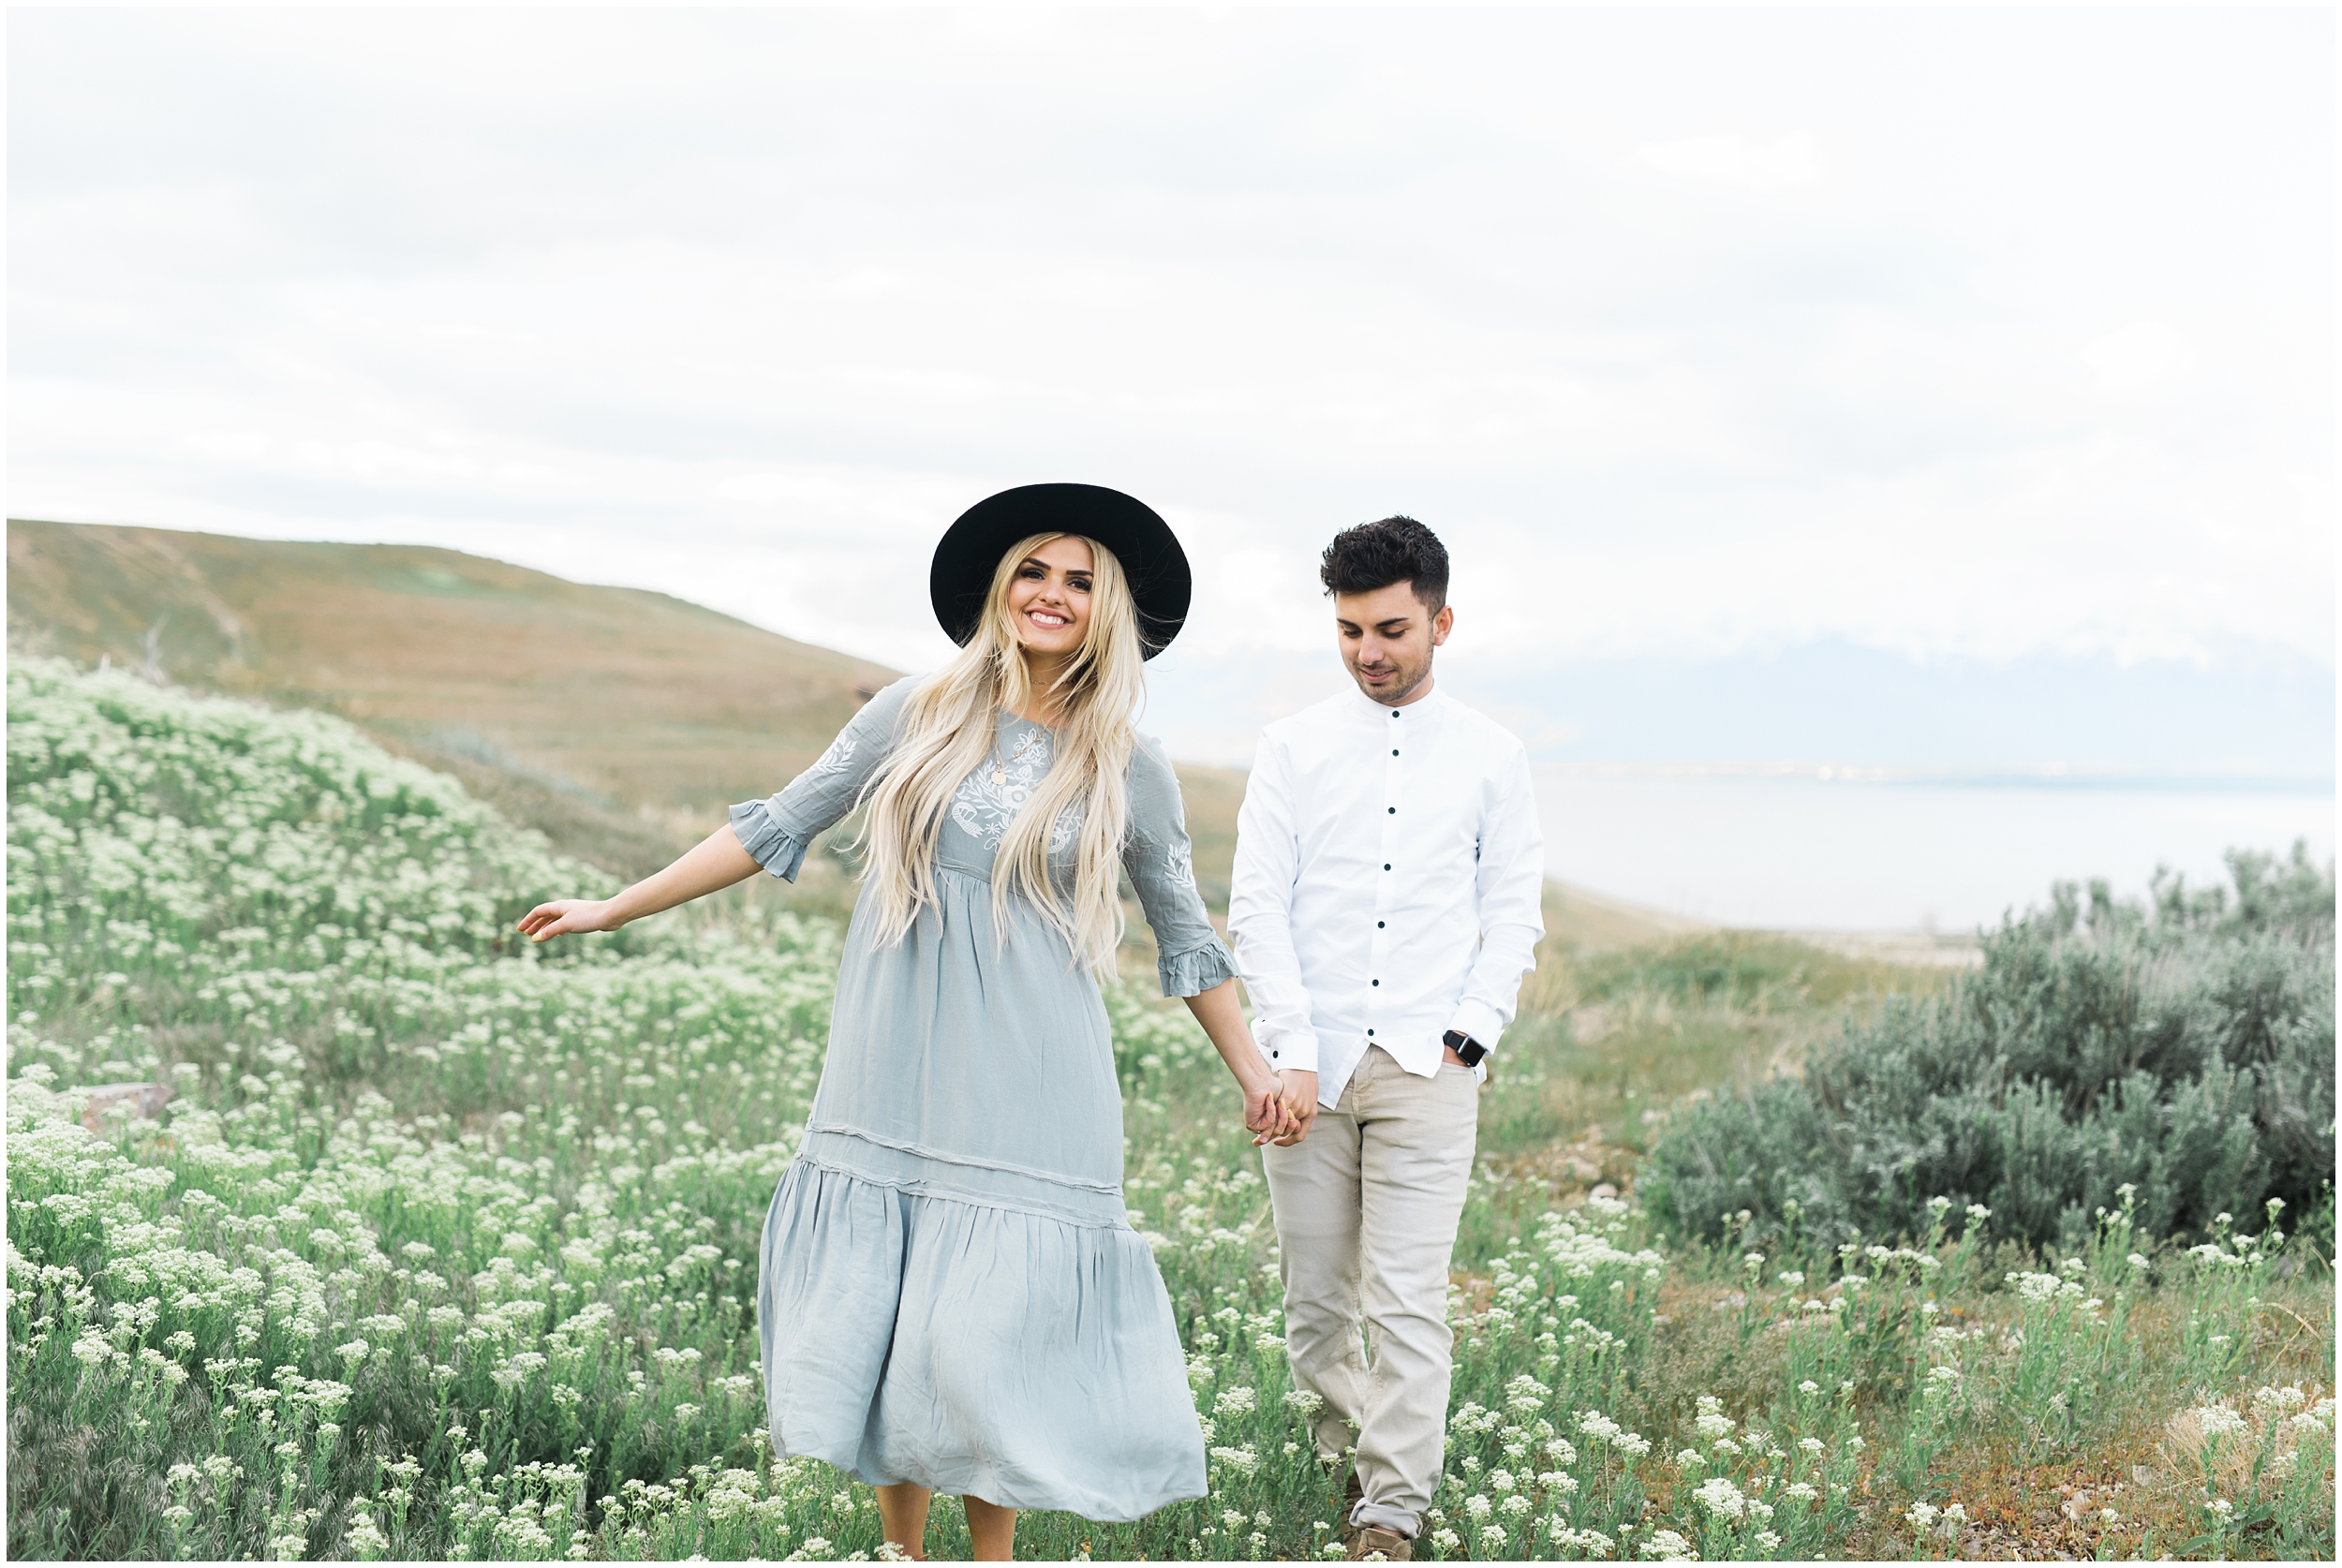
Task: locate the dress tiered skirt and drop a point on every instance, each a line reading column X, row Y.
column 952, row 1294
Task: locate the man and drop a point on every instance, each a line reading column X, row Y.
column 1386, row 902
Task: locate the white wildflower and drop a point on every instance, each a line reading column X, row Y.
column 1721, row 1498
column 2218, row 1421
column 1666, row 1545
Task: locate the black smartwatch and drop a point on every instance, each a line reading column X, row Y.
column 1471, row 1050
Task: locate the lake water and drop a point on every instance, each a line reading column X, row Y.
column 1803, row 853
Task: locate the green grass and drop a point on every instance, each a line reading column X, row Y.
column 1607, row 1042
column 445, row 1247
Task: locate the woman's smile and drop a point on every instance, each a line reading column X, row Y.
column 1048, row 599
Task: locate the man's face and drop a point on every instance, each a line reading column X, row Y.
column 1386, row 637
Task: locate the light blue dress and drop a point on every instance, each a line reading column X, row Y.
column 952, row 1293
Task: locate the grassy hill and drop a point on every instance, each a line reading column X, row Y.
column 618, row 721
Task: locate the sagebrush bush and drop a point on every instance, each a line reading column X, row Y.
column 2184, row 1046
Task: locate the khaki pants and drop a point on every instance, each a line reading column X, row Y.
column 1366, row 1209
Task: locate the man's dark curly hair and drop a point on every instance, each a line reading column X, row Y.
column 1377, row 555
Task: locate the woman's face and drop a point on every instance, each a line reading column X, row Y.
column 1048, row 597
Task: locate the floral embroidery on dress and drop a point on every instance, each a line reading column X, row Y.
column 983, row 809
column 836, row 760
column 1178, row 863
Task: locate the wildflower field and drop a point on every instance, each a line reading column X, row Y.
column 443, row 1245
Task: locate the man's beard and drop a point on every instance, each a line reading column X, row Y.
column 1409, row 678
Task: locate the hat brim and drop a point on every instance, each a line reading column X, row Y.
column 1153, row 562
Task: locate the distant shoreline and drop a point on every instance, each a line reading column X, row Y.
column 2049, row 777
column 1793, row 853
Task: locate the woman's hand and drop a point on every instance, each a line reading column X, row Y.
column 1292, row 1106
column 715, row 862
column 1264, row 1116
column 566, row 917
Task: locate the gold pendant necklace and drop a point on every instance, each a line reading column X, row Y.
column 1000, row 768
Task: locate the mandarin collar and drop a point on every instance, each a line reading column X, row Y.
column 1366, row 707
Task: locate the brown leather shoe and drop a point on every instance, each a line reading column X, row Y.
column 1353, row 1493
column 1374, row 1544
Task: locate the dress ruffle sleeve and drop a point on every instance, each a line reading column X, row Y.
column 1160, row 862
column 776, row 831
column 770, row 845
column 1193, row 973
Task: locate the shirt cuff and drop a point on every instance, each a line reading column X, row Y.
column 769, row 844
column 1478, row 1020
column 1296, row 1049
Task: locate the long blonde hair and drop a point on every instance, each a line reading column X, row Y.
column 949, row 727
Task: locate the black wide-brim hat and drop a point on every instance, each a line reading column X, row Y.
column 1153, row 561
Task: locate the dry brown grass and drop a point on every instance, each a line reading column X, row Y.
column 632, row 699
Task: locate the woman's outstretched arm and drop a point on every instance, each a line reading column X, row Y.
column 715, row 862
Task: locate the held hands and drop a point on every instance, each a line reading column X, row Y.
column 1277, row 1107
column 567, row 917
column 1281, row 1108
column 1262, row 1115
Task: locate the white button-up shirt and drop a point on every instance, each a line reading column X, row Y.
column 1389, row 877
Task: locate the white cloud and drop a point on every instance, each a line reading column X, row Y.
column 759, row 489
column 2145, row 356
column 755, row 329
column 1773, row 165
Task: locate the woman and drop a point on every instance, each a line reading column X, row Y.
column 952, row 1296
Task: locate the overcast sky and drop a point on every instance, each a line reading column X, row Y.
column 1981, row 334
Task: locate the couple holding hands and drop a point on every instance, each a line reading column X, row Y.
column 952, row 1298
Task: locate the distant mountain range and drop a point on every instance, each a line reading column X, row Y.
column 2259, row 719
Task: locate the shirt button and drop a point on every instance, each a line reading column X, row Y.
column 1394, row 811
column 1394, row 713
column 1378, row 925
column 1386, row 865
column 1373, row 983
column 1394, row 752
column 1370, row 1034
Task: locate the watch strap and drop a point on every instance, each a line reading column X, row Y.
column 1472, row 1052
